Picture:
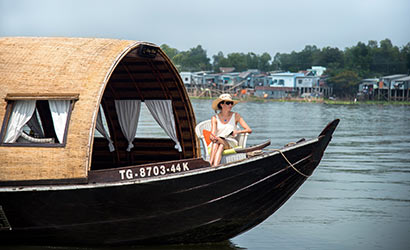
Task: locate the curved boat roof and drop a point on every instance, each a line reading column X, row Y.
column 86, row 71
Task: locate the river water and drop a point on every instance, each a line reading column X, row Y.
column 358, row 197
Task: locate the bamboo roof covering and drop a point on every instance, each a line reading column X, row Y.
column 91, row 72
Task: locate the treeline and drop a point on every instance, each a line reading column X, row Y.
column 345, row 68
column 196, row 59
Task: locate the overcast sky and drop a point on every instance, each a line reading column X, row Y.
column 218, row 25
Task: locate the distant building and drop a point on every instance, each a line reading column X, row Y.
column 317, row 70
column 306, row 84
column 367, row 88
column 286, row 79
column 269, row 92
column 389, row 81
column 403, row 83
column 273, row 85
column 186, row 78
column 226, row 69
column 391, row 87
column 368, row 84
column 252, row 78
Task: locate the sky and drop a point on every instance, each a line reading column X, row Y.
column 217, row 25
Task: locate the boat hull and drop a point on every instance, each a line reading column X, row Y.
column 203, row 205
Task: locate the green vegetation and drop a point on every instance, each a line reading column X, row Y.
column 345, row 68
column 371, row 60
column 314, row 100
column 366, row 102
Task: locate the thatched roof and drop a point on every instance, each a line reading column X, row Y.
column 35, row 67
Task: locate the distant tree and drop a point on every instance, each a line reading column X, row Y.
column 171, row 52
column 329, row 58
column 252, row 60
column 386, row 59
column 358, row 58
column 195, row 59
column 372, row 44
column 405, row 57
column 307, row 56
column 276, row 63
column 237, row 60
column 264, row 62
column 242, row 62
column 219, row 61
column 345, row 83
column 287, row 62
column 365, row 60
column 296, row 61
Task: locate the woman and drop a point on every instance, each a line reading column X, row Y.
column 224, row 129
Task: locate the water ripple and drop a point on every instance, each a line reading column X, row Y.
column 360, row 191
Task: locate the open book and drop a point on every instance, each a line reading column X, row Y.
column 207, row 133
column 228, row 135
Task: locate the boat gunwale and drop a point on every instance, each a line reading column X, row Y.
column 57, row 187
column 262, row 180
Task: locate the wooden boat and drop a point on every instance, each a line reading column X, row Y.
column 69, row 188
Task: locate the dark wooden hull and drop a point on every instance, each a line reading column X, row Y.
column 201, row 205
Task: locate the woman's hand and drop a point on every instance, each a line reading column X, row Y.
column 235, row 133
column 213, row 137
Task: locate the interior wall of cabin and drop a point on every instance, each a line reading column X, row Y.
column 139, row 78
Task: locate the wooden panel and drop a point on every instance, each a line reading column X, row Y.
column 42, row 96
column 144, row 151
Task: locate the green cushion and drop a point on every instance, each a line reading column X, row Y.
column 226, row 151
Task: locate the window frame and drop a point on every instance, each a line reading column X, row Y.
column 6, row 119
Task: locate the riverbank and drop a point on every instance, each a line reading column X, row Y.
column 314, row 100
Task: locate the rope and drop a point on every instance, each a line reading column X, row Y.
column 290, row 164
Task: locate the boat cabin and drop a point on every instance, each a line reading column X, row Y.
column 73, row 105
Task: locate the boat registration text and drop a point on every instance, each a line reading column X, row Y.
column 142, row 172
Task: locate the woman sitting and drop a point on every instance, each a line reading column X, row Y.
column 223, row 127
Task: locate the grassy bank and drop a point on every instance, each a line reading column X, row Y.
column 314, row 100
column 366, row 102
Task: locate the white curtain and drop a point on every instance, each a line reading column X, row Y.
column 34, row 125
column 128, row 112
column 162, row 112
column 59, row 112
column 100, row 128
column 21, row 114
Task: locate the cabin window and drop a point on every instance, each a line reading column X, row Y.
column 147, row 126
column 128, row 112
column 281, row 82
column 36, row 123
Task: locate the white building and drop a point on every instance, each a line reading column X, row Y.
column 186, row 77
column 286, row 79
column 317, row 70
